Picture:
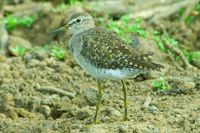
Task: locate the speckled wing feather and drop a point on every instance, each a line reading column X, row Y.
column 107, row 51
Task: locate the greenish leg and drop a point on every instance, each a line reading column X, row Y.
column 98, row 105
column 125, row 100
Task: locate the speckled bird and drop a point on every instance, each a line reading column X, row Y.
column 104, row 55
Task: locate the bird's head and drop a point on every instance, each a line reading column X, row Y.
column 77, row 23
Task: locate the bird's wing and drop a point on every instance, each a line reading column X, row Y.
column 106, row 50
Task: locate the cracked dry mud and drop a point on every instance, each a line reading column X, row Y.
column 24, row 108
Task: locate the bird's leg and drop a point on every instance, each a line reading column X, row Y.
column 99, row 100
column 125, row 100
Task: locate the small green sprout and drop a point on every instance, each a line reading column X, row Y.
column 164, row 38
column 57, row 53
column 160, row 84
column 160, row 39
column 135, row 27
column 192, row 56
column 127, row 26
column 191, row 17
column 157, row 37
column 27, row 21
column 18, row 50
column 12, row 22
column 61, row 6
column 72, row 2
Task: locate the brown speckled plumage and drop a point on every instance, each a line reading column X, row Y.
column 106, row 50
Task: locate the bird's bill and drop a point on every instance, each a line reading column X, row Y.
column 58, row 30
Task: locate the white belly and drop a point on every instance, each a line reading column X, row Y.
column 111, row 74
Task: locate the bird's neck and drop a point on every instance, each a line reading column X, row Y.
column 80, row 31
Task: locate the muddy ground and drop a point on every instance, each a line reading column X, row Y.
column 31, row 103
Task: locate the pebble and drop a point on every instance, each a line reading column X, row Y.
column 96, row 129
column 83, row 113
column 150, row 129
column 123, row 129
column 40, row 54
column 45, row 110
column 91, row 96
column 112, row 112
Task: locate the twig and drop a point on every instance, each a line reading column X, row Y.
column 160, row 11
column 189, row 9
column 27, row 9
column 2, row 4
column 176, row 51
column 56, row 90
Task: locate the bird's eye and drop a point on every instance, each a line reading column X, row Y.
column 78, row 20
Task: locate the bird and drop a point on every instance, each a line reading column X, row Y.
column 104, row 55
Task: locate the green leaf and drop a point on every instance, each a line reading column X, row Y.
column 27, row 21
column 57, row 53
column 11, row 23
column 19, row 50
column 160, row 84
column 138, row 20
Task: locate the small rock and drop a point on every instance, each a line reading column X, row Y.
column 40, row 54
column 186, row 87
column 51, row 100
column 150, row 129
column 83, row 113
column 77, row 126
column 2, row 116
column 45, row 110
column 91, row 96
column 33, row 63
column 5, row 67
column 28, row 57
column 96, row 129
column 112, row 112
column 147, row 105
column 123, row 129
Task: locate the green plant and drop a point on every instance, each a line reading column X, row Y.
column 192, row 56
column 161, row 38
column 191, row 17
column 127, row 26
column 72, row 2
column 57, row 53
column 160, row 84
column 61, row 6
column 18, row 50
column 27, row 21
column 167, row 43
column 12, row 22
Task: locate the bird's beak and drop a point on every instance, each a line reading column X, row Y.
column 58, row 30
